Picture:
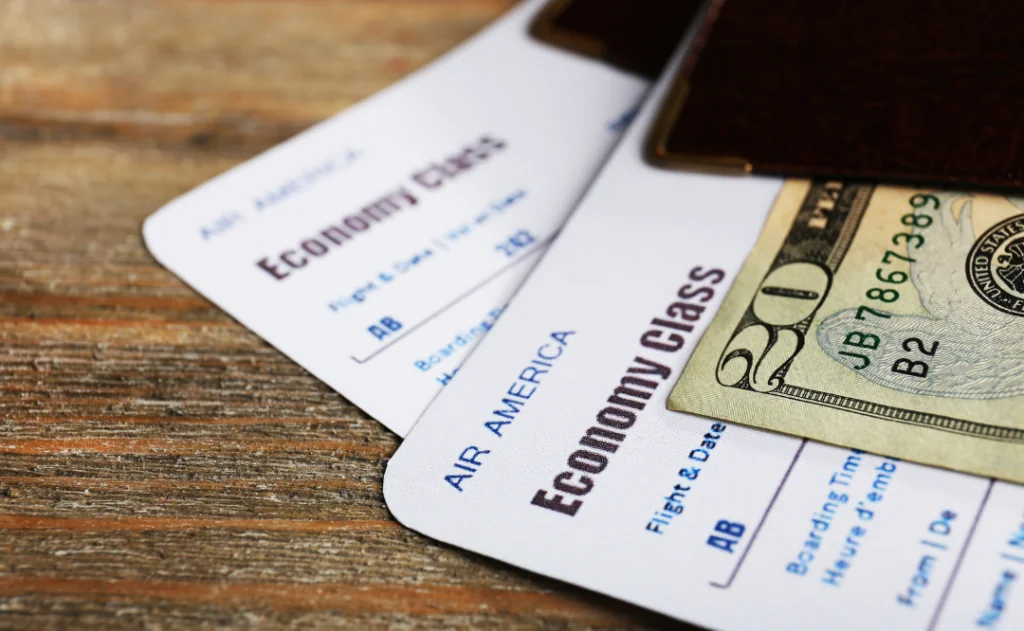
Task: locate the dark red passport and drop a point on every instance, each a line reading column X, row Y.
column 916, row 91
column 635, row 35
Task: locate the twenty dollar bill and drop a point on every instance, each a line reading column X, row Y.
column 886, row 319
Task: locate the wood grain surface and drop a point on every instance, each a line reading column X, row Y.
column 160, row 466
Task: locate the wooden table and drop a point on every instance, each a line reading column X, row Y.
column 160, row 466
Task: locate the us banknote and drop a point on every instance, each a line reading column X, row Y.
column 882, row 318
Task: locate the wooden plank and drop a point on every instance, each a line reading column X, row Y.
column 210, row 72
column 160, row 466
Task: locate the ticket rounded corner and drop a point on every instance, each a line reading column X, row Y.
column 396, row 496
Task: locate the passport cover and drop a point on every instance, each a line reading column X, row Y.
column 634, row 35
column 909, row 90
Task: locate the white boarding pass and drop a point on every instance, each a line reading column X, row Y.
column 378, row 247
column 553, row 449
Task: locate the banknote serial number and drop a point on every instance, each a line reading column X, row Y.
column 885, row 293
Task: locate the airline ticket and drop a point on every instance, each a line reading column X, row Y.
column 553, row 449
column 378, row 247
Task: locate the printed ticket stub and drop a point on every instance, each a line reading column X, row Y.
column 554, row 451
column 377, row 248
